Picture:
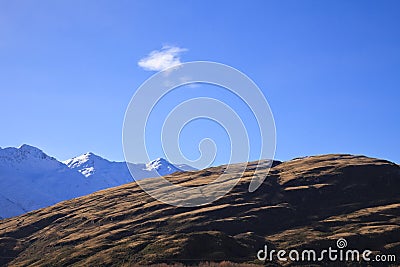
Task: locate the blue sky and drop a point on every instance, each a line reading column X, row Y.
column 329, row 70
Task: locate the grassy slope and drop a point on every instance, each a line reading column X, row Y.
column 303, row 203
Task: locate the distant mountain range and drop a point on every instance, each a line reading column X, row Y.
column 30, row 179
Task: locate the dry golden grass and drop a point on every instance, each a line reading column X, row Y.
column 304, row 202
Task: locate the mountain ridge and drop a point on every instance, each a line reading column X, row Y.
column 31, row 179
column 302, row 203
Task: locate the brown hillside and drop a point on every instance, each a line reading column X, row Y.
column 303, row 203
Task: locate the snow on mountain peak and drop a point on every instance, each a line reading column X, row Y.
column 154, row 164
column 11, row 156
column 30, row 179
column 86, row 163
column 162, row 166
column 29, row 150
column 88, row 159
column 27, row 147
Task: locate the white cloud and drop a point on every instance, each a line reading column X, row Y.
column 157, row 60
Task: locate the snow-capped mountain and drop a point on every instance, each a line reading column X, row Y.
column 30, row 179
column 111, row 173
column 161, row 166
column 99, row 170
